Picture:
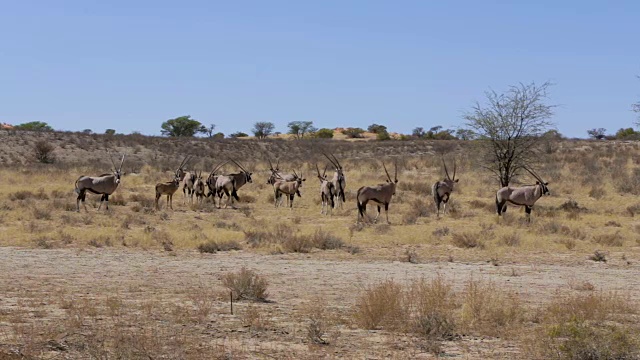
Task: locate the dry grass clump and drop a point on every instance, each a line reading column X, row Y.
column 598, row 256
column 246, row 285
column 632, row 210
column 326, row 241
column 211, row 246
column 512, row 239
column 553, row 227
column 587, row 326
column 468, row 240
column 614, row 239
column 597, row 192
column 381, row 305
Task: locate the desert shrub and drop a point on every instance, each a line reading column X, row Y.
column 212, row 246
column 553, row 227
column 353, row 133
column 441, row 232
column 597, row 192
column 21, row 195
column 227, row 226
column 411, row 256
column 118, row 199
column 43, row 242
column 297, row 243
column 326, row 241
column 380, row 306
column 246, row 285
column 42, row 213
column 467, row 240
column 614, row 239
column 512, row 239
column 598, row 256
column 435, row 305
column 487, row 310
column 324, row 133
column 43, row 152
column 418, row 187
column 633, row 209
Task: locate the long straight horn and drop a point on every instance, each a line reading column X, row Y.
column 445, row 169
column 385, row 170
column 111, row 158
column 454, row 169
column 318, row 170
column 337, row 162
column 270, row 164
column 330, row 160
column 533, row 174
column 277, row 164
column 324, row 173
column 218, row 167
column 121, row 162
column 183, row 161
column 238, row 165
column 396, row 174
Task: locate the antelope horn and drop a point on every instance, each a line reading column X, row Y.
column 445, row 169
column 111, row 158
column 454, row 169
column 277, row 164
column 183, row 161
column 385, row 170
column 533, row 174
column 240, row 166
column 270, row 164
column 121, row 162
column 218, row 167
column 324, row 172
column 318, row 170
column 331, row 161
column 337, row 162
column 396, row 174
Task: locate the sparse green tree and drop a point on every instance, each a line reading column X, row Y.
column 383, row 134
column 299, row 128
column 87, row 131
column 418, row 132
column 209, row 130
column 218, row 136
column 110, row 131
column 626, row 134
column 262, row 129
column 465, row 134
column 353, row 133
column 599, row 133
column 510, row 126
column 183, row 126
column 376, row 129
column 34, row 126
column 324, row 133
column 238, row 134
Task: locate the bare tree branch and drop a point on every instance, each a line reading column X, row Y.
column 510, row 127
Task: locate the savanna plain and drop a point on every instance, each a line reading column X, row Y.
column 139, row 283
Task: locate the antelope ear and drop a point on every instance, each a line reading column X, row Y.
column 537, row 182
column 457, row 180
column 547, row 183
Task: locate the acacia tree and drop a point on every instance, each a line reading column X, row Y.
column 510, row 126
column 209, row 130
column 299, row 128
column 182, row 126
column 599, row 133
column 34, row 126
column 262, row 129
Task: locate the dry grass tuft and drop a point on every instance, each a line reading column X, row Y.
column 246, row 285
column 467, row 240
column 380, row 305
column 615, row 239
column 599, row 256
column 211, row 246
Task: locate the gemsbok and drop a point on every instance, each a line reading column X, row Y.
column 326, row 192
column 522, row 196
column 212, row 179
column 230, row 184
column 442, row 190
column 188, row 179
column 199, row 188
column 104, row 185
column 288, row 188
column 277, row 174
column 338, row 180
column 167, row 188
column 380, row 194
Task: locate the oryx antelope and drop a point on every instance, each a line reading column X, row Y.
column 522, row 196
column 167, row 188
column 380, row 194
column 442, row 190
column 338, row 180
column 326, row 192
column 199, row 188
column 212, row 179
column 188, row 179
column 288, row 188
column 230, row 184
column 104, row 185
column 276, row 174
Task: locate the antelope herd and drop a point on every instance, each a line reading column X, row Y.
column 332, row 190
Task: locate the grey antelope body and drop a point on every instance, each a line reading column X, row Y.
column 199, row 188
column 170, row 188
column 522, row 196
column 339, row 182
column 229, row 184
column 211, row 181
column 442, row 190
column 104, row 185
column 380, row 194
column 188, row 180
column 288, row 188
column 326, row 192
column 276, row 174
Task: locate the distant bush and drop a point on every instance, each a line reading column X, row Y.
column 353, row 133
column 238, row 134
column 246, row 285
column 324, row 133
column 43, row 152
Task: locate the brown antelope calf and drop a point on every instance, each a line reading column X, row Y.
column 167, row 188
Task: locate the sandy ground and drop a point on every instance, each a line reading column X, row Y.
column 294, row 279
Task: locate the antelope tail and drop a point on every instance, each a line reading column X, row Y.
column 361, row 207
column 436, row 196
column 77, row 191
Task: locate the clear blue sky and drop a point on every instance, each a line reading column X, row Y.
column 130, row 65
